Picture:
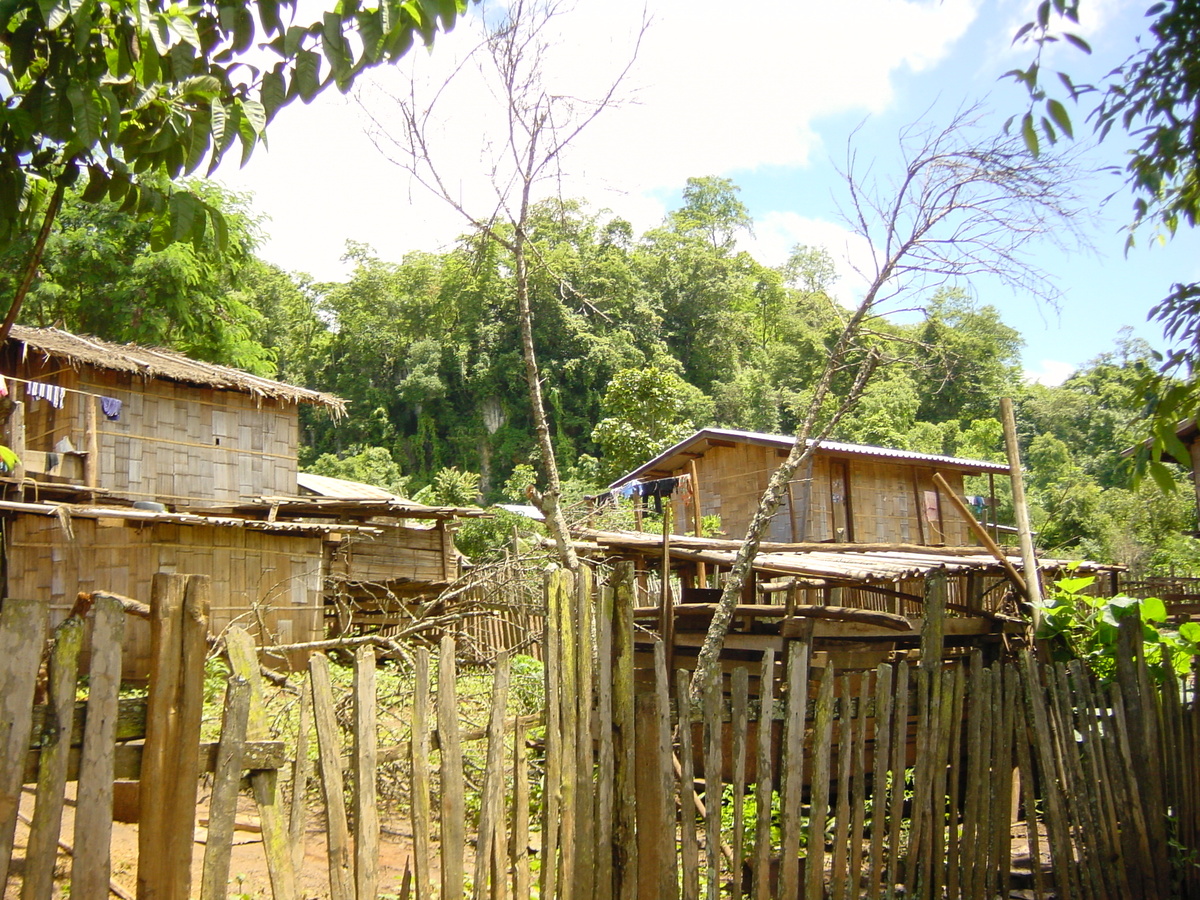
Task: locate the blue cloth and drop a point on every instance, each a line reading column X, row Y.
column 111, row 407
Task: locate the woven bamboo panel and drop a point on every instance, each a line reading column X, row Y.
column 889, row 502
column 177, row 443
column 258, row 579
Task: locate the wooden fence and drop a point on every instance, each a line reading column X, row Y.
column 925, row 778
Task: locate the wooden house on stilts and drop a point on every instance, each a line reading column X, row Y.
column 846, row 560
column 135, row 460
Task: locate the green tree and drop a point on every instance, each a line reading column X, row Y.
column 1152, row 98
column 369, row 465
column 103, row 273
column 122, row 90
column 647, row 411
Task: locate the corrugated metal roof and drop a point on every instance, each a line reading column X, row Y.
column 343, row 489
column 716, row 436
column 841, row 565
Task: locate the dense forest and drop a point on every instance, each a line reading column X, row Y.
column 641, row 338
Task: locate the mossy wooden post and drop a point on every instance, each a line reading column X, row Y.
column 366, row 756
column 792, row 787
column 689, row 849
column 814, row 862
column 422, row 818
column 654, row 782
column 222, row 808
column 491, row 800
column 739, row 719
column 761, row 886
column 552, row 788
column 42, row 847
column 329, row 747
column 624, row 842
column 605, row 759
column 585, row 793
column 301, row 769
column 91, row 865
column 453, row 801
column 22, row 637
column 562, row 588
column 171, row 759
column 243, row 662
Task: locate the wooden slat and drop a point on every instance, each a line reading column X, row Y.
column 605, row 762
column 91, row 864
column 714, row 788
column 22, row 638
column 884, row 698
column 689, row 851
column 222, row 807
column 739, row 715
column 793, row 774
column 453, row 811
column 422, row 820
column 366, row 754
column 625, row 802
column 491, row 800
column 761, row 886
column 301, row 770
column 329, row 749
column 42, row 847
column 814, row 863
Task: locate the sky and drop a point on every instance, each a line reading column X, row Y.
column 769, row 97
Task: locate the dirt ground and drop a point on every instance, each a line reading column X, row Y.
column 248, row 869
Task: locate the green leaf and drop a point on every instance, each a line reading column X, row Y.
column 218, row 118
column 268, row 13
column 1154, row 610
column 10, row 459
column 181, row 26
column 202, row 85
column 306, row 82
column 54, row 12
column 87, row 114
column 255, row 115
column 184, row 207
column 1190, row 631
column 97, row 186
column 1058, row 113
column 1077, row 42
column 1074, row 585
column 273, row 93
column 1162, row 476
column 1029, row 134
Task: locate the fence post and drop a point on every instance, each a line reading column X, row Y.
column 171, row 759
column 22, row 636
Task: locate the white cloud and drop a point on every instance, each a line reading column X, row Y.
column 714, row 89
column 1050, row 372
column 776, row 233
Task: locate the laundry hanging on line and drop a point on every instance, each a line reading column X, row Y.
column 111, row 407
column 52, row 393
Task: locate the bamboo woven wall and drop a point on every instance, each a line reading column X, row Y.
column 888, row 501
column 176, row 443
column 398, row 554
column 280, row 574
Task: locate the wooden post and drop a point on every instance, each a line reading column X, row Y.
column 222, row 808
column 1033, row 581
column 666, row 601
column 171, row 759
column 301, row 769
column 625, row 848
column 17, row 437
column 91, row 865
column 421, row 815
column 243, row 661
column 22, row 637
column 366, row 755
column 329, row 746
column 91, row 462
column 453, row 801
column 697, row 521
column 42, row 847
column 491, row 800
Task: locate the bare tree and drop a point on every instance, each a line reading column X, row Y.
column 960, row 209
column 539, row 126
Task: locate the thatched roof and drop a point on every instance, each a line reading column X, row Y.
column 154, row 362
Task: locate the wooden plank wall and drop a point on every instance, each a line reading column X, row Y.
column 175, row 443
column 280, row 573
column 887, row 500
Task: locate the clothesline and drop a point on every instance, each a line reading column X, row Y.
column 54, row 395
column 657, row 489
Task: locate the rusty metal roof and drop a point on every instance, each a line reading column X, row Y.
column 838, row 564
column 675, row 458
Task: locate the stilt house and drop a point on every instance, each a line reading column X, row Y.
column 134, row 461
